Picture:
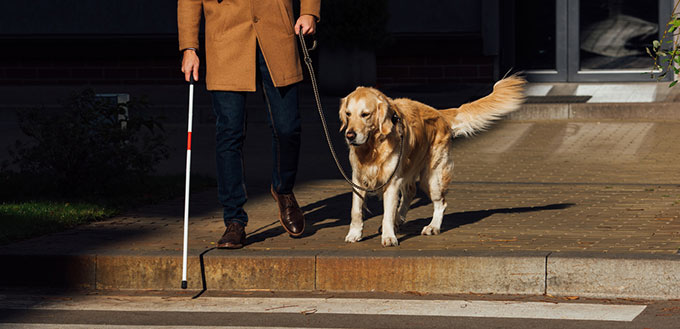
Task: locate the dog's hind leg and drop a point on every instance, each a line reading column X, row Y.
column 408, row 191
column 356, row 227
column 437, row 183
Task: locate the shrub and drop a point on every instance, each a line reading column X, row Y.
column 666, row 52
column 82, row 148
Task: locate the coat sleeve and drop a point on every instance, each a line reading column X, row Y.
column 188, row 22
column 311, row 7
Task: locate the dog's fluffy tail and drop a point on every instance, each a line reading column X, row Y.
column 476, row 116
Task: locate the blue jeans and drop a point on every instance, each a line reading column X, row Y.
column 284, row 120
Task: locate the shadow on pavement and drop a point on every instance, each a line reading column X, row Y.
column 203, row 280
column 457, row 219
column 317, row 213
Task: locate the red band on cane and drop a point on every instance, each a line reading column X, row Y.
column 189, row 140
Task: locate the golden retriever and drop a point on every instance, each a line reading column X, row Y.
column 373, row 125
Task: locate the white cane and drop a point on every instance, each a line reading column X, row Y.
column 186, row 183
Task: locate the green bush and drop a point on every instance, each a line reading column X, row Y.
column 82, row 148
column 665, row 52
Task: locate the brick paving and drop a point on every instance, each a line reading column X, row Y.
column 609, row 186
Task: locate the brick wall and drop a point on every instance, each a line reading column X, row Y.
column 434, row 59
column 90, row 61
column 409, row 59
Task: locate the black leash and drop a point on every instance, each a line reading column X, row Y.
column 308, row 61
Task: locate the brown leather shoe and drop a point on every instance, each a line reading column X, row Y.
column 290, row 214
column 234, row 237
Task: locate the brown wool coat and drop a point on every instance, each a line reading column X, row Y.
column 233, row 28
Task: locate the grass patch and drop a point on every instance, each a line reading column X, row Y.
column 25, row 215
column 21, row 220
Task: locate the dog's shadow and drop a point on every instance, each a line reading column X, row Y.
column 334, row 212
column 454, row 220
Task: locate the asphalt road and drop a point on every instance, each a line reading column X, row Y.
column 257, row 309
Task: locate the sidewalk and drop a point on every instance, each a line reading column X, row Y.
column 578, row 207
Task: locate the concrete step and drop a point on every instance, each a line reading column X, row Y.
column 444, row 272
column 598, row 111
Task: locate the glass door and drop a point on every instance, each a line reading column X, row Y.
column 586, row 40
column 540, row 33
column 607, row 38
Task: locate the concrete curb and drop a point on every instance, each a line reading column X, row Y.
column 597, row 111
column 533, row 273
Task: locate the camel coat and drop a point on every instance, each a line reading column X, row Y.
column 233, row 28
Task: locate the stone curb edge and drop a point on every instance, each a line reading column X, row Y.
column 597, row 111
column 534, row 273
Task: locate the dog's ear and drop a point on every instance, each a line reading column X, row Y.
column 384, row 116
column 341, row 113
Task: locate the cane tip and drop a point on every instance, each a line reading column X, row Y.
column 184, row 284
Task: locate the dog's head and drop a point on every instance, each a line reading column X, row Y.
column 364, row 113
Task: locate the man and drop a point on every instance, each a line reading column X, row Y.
column 250, row 43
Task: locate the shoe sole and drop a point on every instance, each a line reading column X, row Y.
column 295, row 235
column 229, row 246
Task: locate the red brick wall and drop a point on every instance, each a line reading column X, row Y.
column 416, row 59
column 88, row 61
column 434, row 59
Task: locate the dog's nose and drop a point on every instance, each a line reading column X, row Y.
column 351, row 135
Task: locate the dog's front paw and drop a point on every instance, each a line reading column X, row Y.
column 389, row 241
column 429, row 230
column 353, row 236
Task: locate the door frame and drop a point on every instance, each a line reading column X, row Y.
column 567, row 49
column 573, row 45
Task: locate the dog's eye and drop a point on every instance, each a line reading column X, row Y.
column 348, row 114
column 365, row 114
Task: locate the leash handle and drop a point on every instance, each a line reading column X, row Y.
column 308, row 61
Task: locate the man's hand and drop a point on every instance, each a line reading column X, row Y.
column 307, row 23
column 190, row 63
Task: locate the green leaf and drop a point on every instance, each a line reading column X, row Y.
column 656, row 43
column 673, row 84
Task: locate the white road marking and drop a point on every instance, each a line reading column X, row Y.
column 453, row 308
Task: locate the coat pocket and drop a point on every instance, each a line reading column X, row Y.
column 286, row 17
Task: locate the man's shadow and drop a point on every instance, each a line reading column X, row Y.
column 326, row 213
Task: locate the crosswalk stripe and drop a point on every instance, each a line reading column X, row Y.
column 363, row 306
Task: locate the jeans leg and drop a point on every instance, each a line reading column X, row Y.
column 284, row 120
column 230, row 111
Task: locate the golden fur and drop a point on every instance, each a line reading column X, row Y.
column 374, row 138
